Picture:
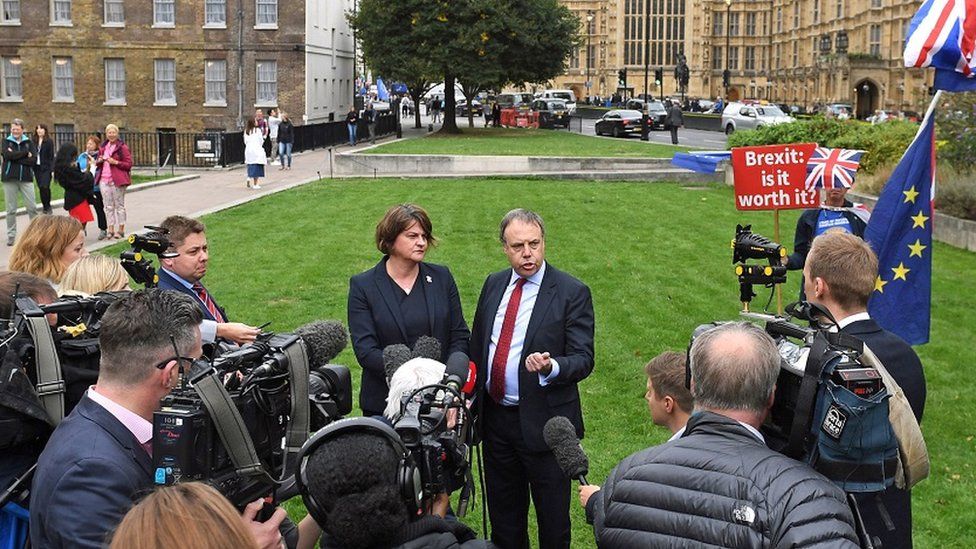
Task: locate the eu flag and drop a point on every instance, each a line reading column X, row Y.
column 900, row 231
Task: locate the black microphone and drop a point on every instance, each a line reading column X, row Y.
column 456, row 370
column 324, row 340
column 427, row 347
column 560, row 437
column 394, row 356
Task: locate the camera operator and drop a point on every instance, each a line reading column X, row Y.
column 98, row 459
column 840, row 275
column 372, row 502
column 183, row 273
column 718, row 484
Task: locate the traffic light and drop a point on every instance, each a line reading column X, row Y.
column 622, row 78
column 725, row 78
column 658, row 76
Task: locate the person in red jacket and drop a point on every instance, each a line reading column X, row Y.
column 114, row 164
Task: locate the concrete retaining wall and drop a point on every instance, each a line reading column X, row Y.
column 420, row 164
column 954, row 231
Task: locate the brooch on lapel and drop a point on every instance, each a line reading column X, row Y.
column 428, row 279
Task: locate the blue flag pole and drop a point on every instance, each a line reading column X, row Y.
column 900, row 232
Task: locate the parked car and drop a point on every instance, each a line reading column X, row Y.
column 566, row 95
column 619, row 123
column 839, row 109
column 656, row 111
column 476, row 107
column 553, row 113
column 741, row 116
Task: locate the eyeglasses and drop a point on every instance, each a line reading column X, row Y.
column 180, row 359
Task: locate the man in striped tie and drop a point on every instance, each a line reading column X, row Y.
column 532, row 340
column 184, row 273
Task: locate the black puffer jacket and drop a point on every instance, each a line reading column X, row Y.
column 718, row 486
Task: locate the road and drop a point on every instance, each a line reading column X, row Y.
column 696, row 139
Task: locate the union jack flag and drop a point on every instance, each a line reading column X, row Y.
column 832, row 168
column 942, row 35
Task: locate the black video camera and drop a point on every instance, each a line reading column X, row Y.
column 239, row 421
column 434, row 425
column 748, row 245
column 134, row 260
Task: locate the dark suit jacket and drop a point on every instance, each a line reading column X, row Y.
column 87, row 477
column 901, row 361
column 375, row 322
column 561, row 324
column 167, row 282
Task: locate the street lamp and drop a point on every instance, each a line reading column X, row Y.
column 647, row 45
column 726, row 76
column 589, row 32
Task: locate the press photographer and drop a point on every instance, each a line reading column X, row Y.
column 376, row 502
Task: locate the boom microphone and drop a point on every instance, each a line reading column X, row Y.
column 324, row 340
column 560, row 437
column 427, row 347
column 395, row 356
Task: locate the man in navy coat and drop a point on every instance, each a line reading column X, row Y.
column 98, row 460
column 839, row 274
column 184, row 273
column 532, row 341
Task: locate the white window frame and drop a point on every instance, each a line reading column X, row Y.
column 55, row 22
column 163, row 101
column 266, row 25
column 265, row 101
column 62, row 62
column 222, row 24
column 208, row 79
column 4, row 21
column 105, row 6
column 159, row 24
column 109, row 100
column 12, row 61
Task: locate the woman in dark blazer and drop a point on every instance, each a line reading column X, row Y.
column 401, row 299
column 45, row 165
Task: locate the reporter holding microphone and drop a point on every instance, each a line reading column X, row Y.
column 401, row 299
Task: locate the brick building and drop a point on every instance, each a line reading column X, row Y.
column 800, row 52
column 184, row 65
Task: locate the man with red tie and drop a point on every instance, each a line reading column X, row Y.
column 532, row 340
column 184, row 272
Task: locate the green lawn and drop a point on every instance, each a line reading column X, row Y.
column 525, row 142
column 658, row 261
column 57, row 191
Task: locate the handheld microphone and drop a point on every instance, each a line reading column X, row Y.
column 457, row 371
column 560, row 437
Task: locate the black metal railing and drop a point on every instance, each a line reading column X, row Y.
column 208, row 149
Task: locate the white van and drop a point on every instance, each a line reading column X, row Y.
column 566, row 95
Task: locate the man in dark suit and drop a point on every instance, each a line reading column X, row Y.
column 184, row 273
column 532, row 340
column 839, row 274
column 98, row 459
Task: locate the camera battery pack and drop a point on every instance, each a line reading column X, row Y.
column 181, row 439
column 863, row 382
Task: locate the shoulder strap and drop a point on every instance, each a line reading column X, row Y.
column 50, row 384
column 799, row 431
column 229, row 425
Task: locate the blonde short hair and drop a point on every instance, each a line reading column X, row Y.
column 190, row 515
column 38, row 251
column 92, row 274
column 111, row 127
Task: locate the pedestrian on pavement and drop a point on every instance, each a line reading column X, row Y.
column 274, row 120
column 435, row 108
column 352, row 120
column 86, row 161
column 262, row 123
column 370, row 116
column 674, row 120
column 19, row 159
column 45, row 164
column 487, row 114
column 48, row 246
column 113, row 176
column 254, row 155
column 77, row 183
column 496, row 115
column 286, row 140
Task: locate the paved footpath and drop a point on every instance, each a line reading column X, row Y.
column 211, row 191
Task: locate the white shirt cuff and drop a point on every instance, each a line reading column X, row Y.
column 208, row 331
column 546, row 380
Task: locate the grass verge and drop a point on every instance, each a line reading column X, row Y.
column 656, row 257
column 526, row 142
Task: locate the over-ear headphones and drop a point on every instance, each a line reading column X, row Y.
column 409, row 484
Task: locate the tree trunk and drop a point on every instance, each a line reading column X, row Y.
column 450, row 105
column 417, row 94
column 469, row 99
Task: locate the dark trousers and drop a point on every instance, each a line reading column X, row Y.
column 96, row 202
column 44, row 184
column 511, row 473
column 674, row 135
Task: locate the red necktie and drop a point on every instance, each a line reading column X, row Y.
column 208, row 302
column 496, row 387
